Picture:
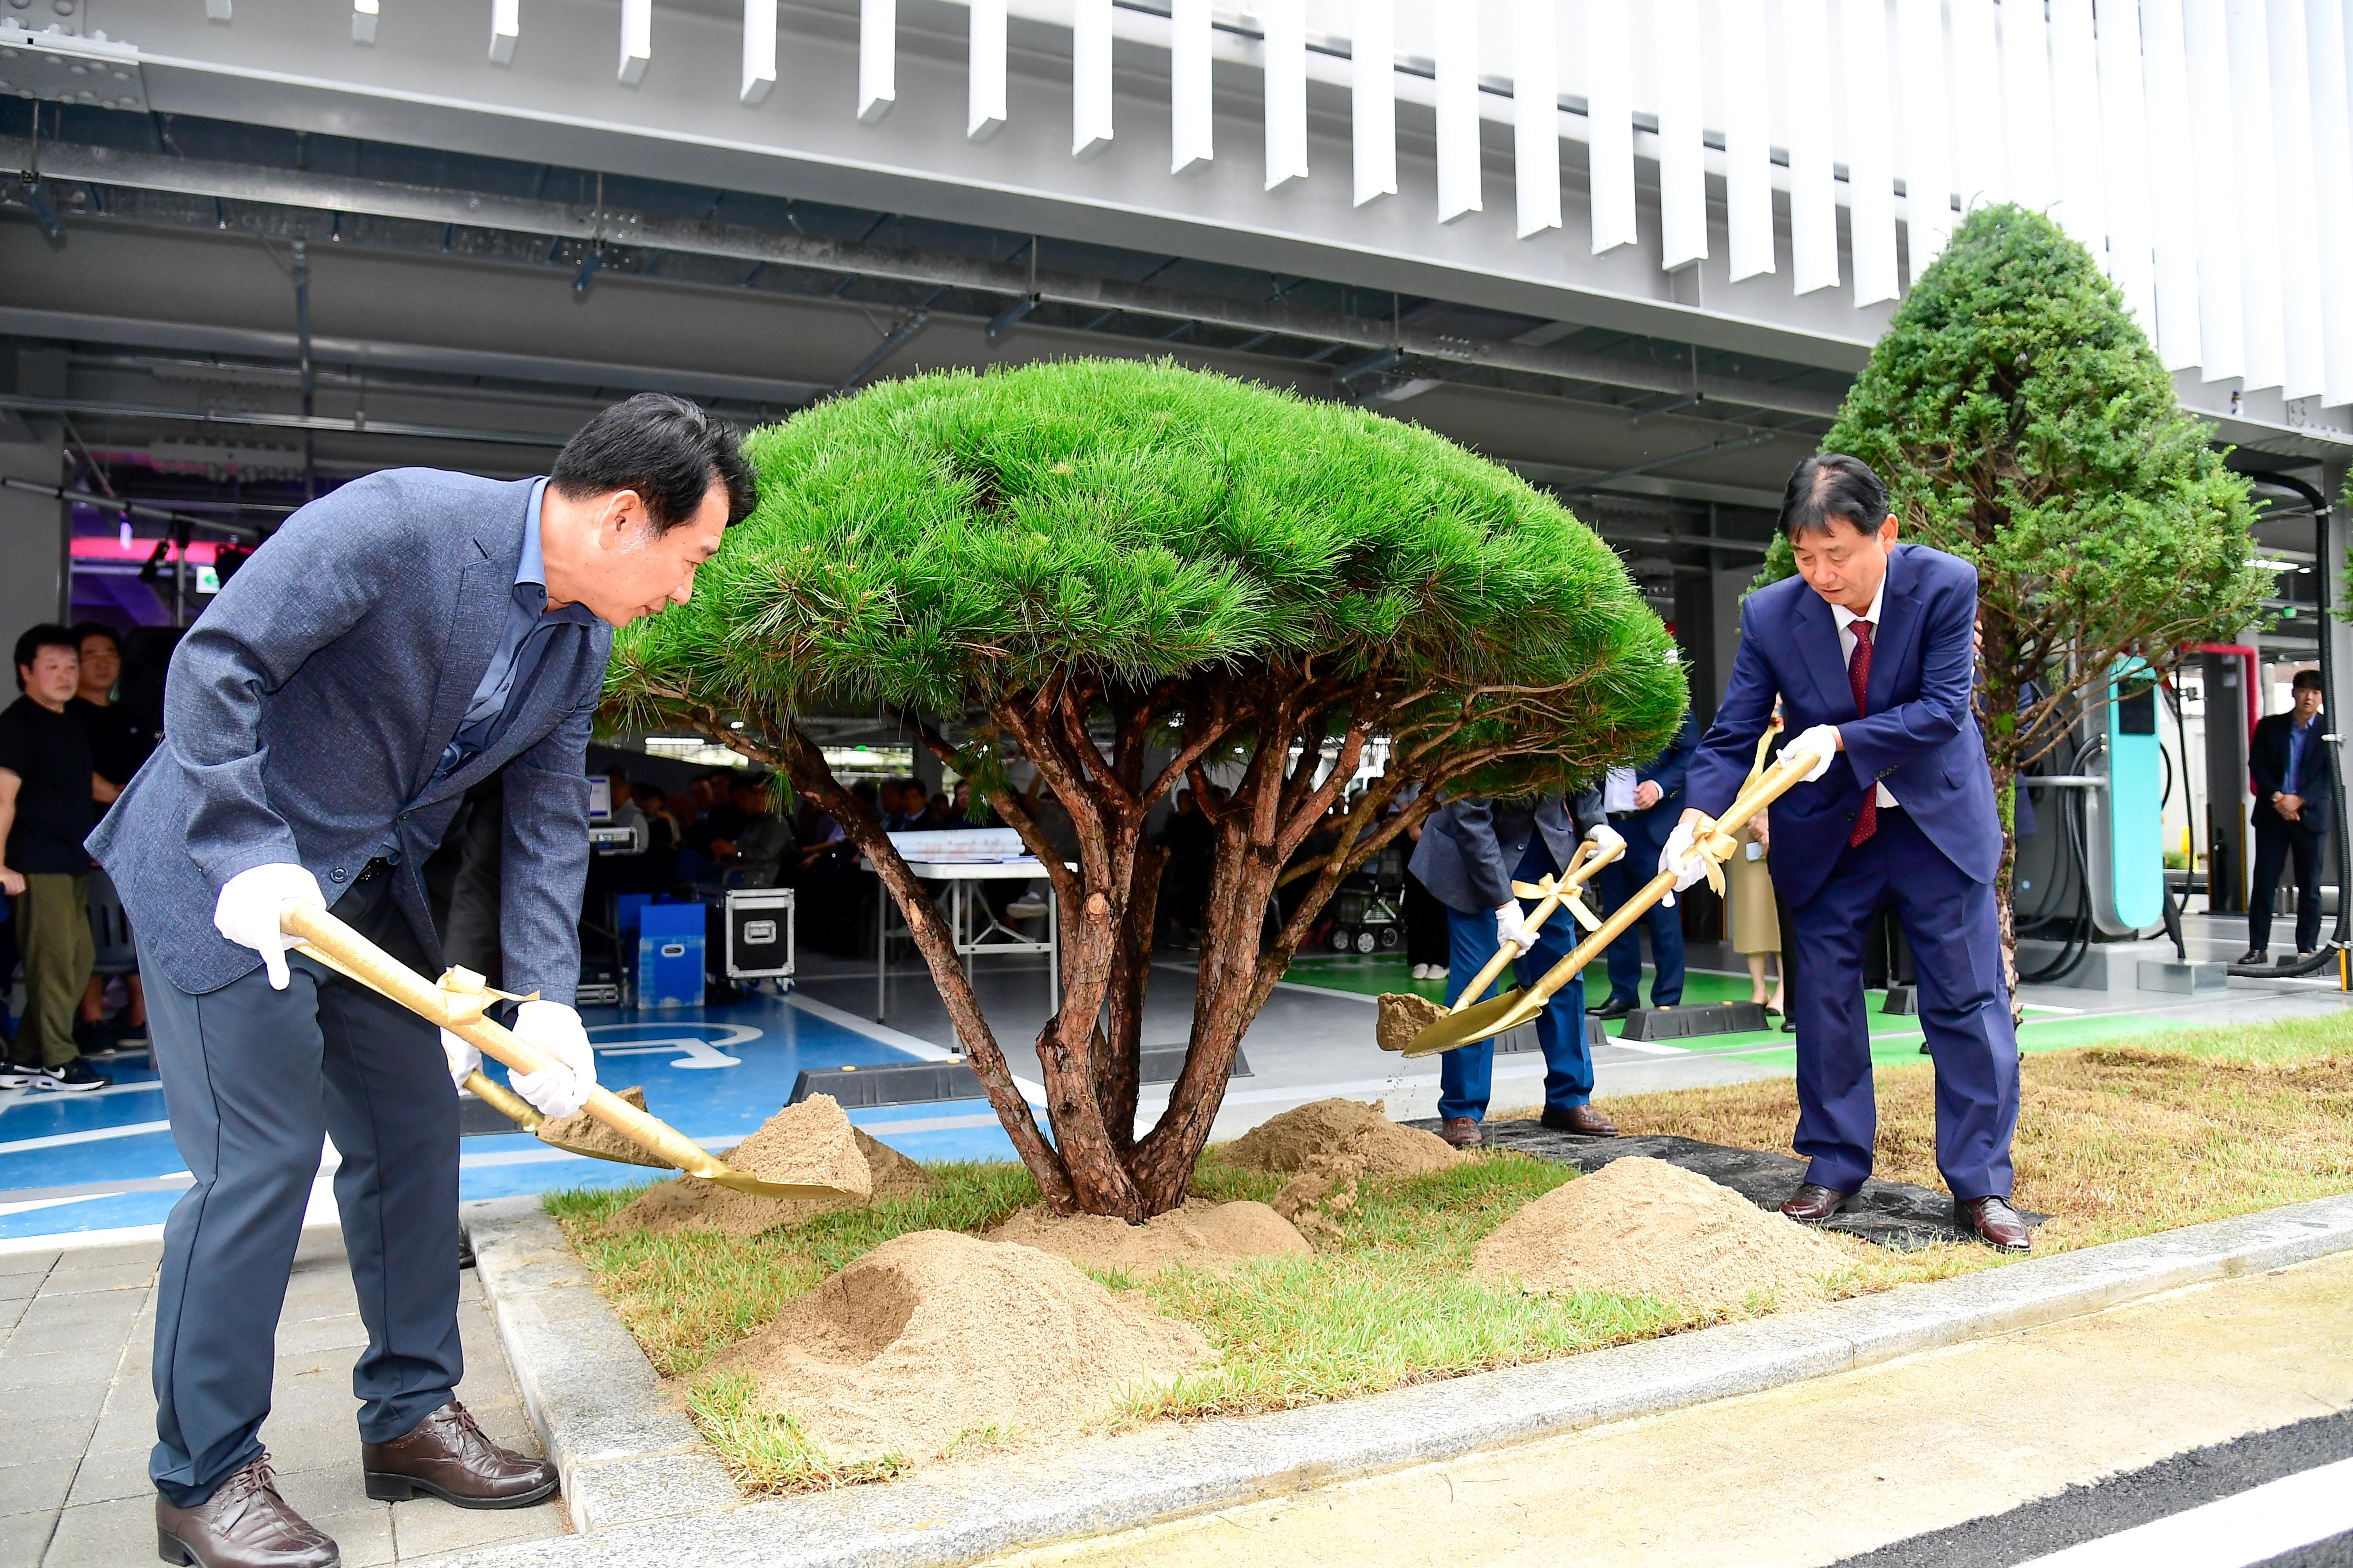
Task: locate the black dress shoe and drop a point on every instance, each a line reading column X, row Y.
column 449, row 1456
column 2253, row 955
column 1615, row 1007
column 1994, row 1222
column 1580, row 1119
column 1812, row 1203
column 244, row 1524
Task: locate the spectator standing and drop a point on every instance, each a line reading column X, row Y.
column 1643, row 804
column 2288, row 761
column 48, row 790
column 120, row 738
column 1756, row 919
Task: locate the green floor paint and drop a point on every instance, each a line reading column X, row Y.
column 1894, row 1038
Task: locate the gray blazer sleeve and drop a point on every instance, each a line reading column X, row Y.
column 1482, row 855
column 544, row 865
column 322, row 573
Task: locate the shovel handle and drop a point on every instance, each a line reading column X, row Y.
column 378, row 970
column 1582, row 866
column 1769, row 787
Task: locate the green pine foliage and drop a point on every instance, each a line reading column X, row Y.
column 2022, row 422
column 948, row 541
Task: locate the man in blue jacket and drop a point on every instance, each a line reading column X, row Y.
column 2295, row 799
column 1471, row 852
column 1644, row 804
column 1872, row 650
column 395, row 641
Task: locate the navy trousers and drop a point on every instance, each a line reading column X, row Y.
column 1646, row 835
column 252, row 1077
column 2276, row 847
column 1465, row 1074
column 1964, row 1011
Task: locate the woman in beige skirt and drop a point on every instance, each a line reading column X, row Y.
column 1756, row 925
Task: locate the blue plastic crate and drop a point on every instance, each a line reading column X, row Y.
column 670, row 955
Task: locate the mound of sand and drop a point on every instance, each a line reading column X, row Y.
column 1403, row 1015
column 1329, row 1130
column 690, row 1203
column 809, row 1142
column 584, row 1133
column 1643, row 1228
column 934, row 1335
column 1201, row 1235
column 1333, row 1144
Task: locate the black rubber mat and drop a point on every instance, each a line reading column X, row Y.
column 1895, row 1215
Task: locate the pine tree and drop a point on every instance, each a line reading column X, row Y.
column 1128, row 574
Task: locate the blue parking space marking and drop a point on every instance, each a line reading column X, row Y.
column 713, row 1073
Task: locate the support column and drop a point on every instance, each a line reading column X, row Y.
column 35, row 531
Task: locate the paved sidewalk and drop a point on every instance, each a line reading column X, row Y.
column 74, row 1404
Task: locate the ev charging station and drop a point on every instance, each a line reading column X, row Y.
column 2125, row 821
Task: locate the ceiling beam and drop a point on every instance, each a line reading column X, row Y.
column 590, row 224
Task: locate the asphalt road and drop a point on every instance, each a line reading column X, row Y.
column 2085, row 1513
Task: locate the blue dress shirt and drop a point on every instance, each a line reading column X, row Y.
column 2295, row 735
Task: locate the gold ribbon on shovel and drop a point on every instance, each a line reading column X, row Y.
column 1553, row 893
column 457, row 1007
column 1714, row 842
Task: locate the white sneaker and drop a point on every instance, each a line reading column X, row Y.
column 12, row 1076
column 1437, row 972
column 1421, row 971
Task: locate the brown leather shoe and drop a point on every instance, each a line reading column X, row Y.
column 1462, row 1131
column 1584, row 1118
column 449, row 1456
column 1812, row 1203
column 244, row 1524
column 1994, row 1222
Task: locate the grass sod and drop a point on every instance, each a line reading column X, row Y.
column 2115, row 1141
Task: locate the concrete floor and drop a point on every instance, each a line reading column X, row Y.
column 1821, row 1471
column 75, row 1331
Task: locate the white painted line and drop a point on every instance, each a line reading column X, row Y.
column 36, row 1203
column 80, row 1240
column 898, row 1039
column 53, row 1096
column 2046, row 1008
column 926, row 1124
column 1651, row 1047
column 2257, row 1524
column 94, row 1135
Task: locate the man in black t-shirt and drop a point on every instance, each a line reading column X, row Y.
column 120, row 740
column 47, row 805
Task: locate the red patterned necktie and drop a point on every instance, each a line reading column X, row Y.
column 1858, row 675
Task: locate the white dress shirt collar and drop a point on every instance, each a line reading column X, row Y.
column 1846, row 617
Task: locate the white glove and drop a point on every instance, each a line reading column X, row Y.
column 463, row 1057
column 1684, row 856
column 1510, row 930
column 556, row 1030
column 248, row 909
column 1604, row 838
column 1822, row 739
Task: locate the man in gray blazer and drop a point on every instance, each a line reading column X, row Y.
column 1470, row 854
column 396, row 640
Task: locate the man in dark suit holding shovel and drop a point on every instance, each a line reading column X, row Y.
column 1872, row 650
column 395, row 641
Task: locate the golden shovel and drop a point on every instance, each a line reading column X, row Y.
column 334, row 943
column 1513, row 1008
column 1397, row 1011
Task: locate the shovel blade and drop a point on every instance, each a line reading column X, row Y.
column 728, row 1176
column 1473, row 1023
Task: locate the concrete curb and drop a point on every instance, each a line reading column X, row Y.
column 956, row 1513
column 597, row 1401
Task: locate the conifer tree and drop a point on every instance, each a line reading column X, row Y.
column 1128, row 575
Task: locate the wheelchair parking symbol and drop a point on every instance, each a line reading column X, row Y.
column 696, row 1049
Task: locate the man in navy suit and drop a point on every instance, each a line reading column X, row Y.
column 1871, row 648
column 395, row 641
column 1644, row 805
column 2294, row 794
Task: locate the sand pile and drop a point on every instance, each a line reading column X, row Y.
column 1403, row 1015
column 1311, row 1135
column 809, row 1142
column 1643, row 1228
column 1333, row 1144
column 585, row 1135
column 936, row 1335
column 1201, row 1235
column 690, row 1203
